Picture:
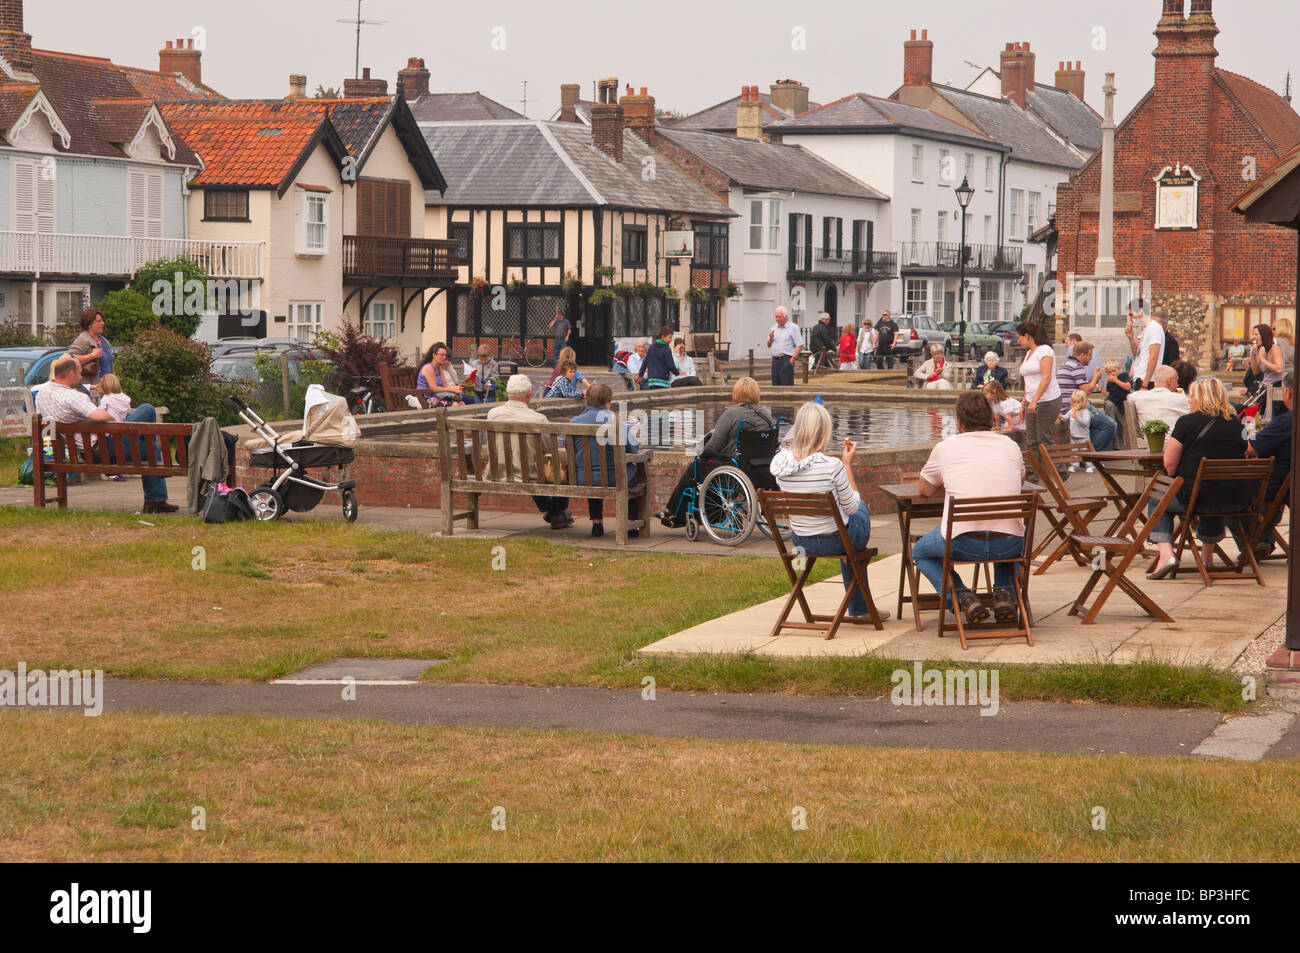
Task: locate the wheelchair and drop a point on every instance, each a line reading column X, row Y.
column 724, row 503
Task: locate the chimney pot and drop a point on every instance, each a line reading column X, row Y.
column 913, row 34
column 365, row 72
column 169, row 44
column 177, row 57
column 925, row 34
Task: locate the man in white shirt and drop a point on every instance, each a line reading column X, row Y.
column 638, row 357
column 1163, row 402
column 1149, row 351
column 976, row 462
column 786, row 342
column 519, row 390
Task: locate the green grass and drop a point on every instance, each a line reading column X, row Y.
column 13, row 451
column 125, row 787
column 182, row 599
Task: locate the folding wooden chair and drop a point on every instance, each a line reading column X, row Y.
column 777, row 509
column 1021, row 506
column 1204, row 497
column 1067, row 515
column 1111, row 556
column 1268, row 524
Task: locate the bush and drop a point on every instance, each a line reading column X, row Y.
column 147, row 280
column 15, row 335
column 126, row 314
column 167, row 370
column 268, row 396
column 354, row 354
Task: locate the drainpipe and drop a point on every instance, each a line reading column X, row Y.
column 1002, row 200
column 35, row 282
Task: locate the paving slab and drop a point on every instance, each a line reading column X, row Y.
column 362, row 671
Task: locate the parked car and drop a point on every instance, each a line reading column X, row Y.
column 916, row 332
column 241, row 366
column 227, row 345
column 26, row 366
column 980, row 339
column 1006, row 331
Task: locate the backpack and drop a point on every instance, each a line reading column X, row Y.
column 229, row 507
column 621, row 357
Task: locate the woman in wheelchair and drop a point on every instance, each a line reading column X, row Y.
column 720, row 449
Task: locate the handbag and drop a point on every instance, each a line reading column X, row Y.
column 230, row 506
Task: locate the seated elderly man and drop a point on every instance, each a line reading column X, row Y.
column 976, row 462
column 519, row 391
column 1163, row 402
column 61, row 400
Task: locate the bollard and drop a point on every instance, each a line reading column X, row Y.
column 751, row 362
column 284, row 381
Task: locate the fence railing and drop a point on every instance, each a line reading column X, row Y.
column 946, row 256
column 121, row 256
column 370, row 256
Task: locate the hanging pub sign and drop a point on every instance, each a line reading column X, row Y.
column 1177, row 192
column 679, row 244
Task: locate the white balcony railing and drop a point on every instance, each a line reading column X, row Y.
column 112, row 256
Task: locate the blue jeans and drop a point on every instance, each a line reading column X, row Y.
column 155, row 488
column 1209, row 528
column 828, row 544
column 864, row 360
column 1101, row 430
column 927, row 554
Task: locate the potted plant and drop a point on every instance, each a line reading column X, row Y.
column 644, row 289
column 605, row 271
column 671, row 294
column 622, row 289
column 571, row 282
column 517, row 285
column 1154, row 431
column 477, row 287
column 697, row 294
column 730, row 289
column 601, row 296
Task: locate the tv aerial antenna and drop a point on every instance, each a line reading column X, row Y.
column 359, row 23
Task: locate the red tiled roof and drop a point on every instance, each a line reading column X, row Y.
column 250, row 143
column 14, row 98
column 1277, row 122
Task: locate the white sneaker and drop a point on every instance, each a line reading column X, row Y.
column 1089, row 468
column 1073, row 468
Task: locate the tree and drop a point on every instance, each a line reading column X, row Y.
column 167, row 370
column 326, row 92
column 126, row 314
column 177, row 289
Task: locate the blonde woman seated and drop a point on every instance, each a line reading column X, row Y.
column 805, row 468
column 936, row 373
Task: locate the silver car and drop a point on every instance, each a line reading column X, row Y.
column 916, row 332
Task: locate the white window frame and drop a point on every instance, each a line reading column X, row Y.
column 1035, row 210
column 756, row 224
column 315, row 314
column 914, row 303
column 942, row 233
column 918, row 162
column 377, row 327
column 988, row 229
column 766, row 228
column 990, row 306
column 859, row 307
column 144, row 203
column 944, row 156
column 307, row 201
column 988, row 173
column 916, row 225
column 1016, row 214
column 774, row 225
column 970, row 166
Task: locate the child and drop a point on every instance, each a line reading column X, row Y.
column 568, row 384
column 848, row 349
column 1118, row 384
column 1080, row 416
column 1004, row 406
column 486, row 375
column 116, row 403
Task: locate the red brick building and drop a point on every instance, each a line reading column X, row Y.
column 1204, row 132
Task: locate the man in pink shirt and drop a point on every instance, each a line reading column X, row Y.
column 976, row 462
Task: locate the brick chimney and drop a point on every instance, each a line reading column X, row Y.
column 639, row 114
column 789, row 95
column 1070, row 77
column 413, row 82
column 607, row 120
column 297, row 86
column 918, row 60
column 182, row 58
column 569, row 95
column 365, row 87
column 1017, row 72
column 1185, row 54
column 749, row 114
column 15, row 45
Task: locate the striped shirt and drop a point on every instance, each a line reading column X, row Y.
column 816, row 473
column 1070, row 377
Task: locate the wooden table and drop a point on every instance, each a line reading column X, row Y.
column 1113, row 465
column 911, row 504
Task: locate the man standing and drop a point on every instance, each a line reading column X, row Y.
column 786, row 342
column 519, row 390
column 1173, row 353
column 563, row 328
column 1148, row 352
column 886, row 334
column 60, row 400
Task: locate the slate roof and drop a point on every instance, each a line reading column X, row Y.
column 459, row 107
column 94, row 98
column 769, row 165
column 1069, row 116
column 864, row 114
column 1272, row 115
column 1013, row 127
column 721, row 117
column 535, row 163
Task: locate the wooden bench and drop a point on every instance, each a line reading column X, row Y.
column 703, row 344
column 397, row 383
column 520, row 458
column 169, row 456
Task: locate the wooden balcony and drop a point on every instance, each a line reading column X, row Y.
column 408, row 262
column 826, row 264
column 945, row 258
column 52, row 256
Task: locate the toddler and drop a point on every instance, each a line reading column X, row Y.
column 1080, row 417
column 116, row 403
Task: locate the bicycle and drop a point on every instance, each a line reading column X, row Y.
column 365, row 400
column 533, row 353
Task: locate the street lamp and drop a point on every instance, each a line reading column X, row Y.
column 964, row 194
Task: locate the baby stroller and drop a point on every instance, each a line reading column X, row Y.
column 289, row 457
column 725, row 502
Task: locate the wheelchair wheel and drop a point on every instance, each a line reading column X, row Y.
column 692, row 528
column 728, row 506
column 766, row 530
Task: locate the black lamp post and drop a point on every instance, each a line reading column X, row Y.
column 964, row 194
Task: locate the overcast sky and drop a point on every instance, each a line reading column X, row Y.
column 690, row 55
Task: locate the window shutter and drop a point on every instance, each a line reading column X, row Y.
column 24, row 195
column 403, row 210
column 137, row 205
column 826, row 235
column 365, row 207
column 839, row 238
column 794, row 240
column 808, row 245
column 154, row 207
column 871, row 229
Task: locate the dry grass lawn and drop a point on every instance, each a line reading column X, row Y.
column 123, row 788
